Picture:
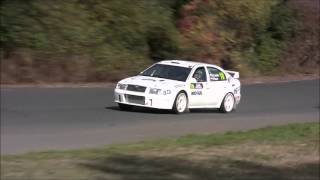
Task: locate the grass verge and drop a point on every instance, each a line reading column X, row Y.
column 284, row 152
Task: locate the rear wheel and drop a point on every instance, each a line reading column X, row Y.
column 181, row 103
column 228, row 103
column 124, row 107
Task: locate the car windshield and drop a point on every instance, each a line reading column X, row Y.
column 167, row 72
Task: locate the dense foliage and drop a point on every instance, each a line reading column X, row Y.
column 241, row 35
column 92, row 40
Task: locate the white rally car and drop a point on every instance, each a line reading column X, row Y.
column 180, row 85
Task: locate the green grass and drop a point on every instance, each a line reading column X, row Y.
column 284, row 152
column 284, row 133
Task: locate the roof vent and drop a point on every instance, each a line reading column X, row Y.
column 175, row 62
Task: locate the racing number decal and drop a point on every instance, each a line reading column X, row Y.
column 222, row 76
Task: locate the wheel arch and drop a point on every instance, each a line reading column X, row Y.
column 221, row 100
column 185, row 92
column 174, row 106
column 176, row 94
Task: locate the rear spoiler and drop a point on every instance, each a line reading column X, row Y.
column 234, row 74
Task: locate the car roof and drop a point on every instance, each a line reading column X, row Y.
column 183, row 63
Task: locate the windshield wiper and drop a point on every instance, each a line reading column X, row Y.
column 158, row 76
column 145, row 75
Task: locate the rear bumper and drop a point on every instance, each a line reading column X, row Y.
column 237, row 98
column 143, row 99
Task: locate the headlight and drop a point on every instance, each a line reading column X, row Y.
column 122, row 86
column 159, row 91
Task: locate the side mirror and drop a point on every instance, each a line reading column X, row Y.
column 193, row 80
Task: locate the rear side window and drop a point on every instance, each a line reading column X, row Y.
column 216, row 74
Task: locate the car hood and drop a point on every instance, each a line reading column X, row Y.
column 152, row 82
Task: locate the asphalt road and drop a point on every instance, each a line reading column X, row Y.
column 38, row 119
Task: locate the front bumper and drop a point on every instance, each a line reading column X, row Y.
column 143, row 99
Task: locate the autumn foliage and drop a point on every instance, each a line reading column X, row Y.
column 96, row 40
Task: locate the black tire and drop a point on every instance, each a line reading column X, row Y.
column 125, row 107
column 175, row 108
column 223, row 107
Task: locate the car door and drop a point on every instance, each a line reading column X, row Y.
column 217, row 86
column 198, row 88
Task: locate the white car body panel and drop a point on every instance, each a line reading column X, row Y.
column 209, row 94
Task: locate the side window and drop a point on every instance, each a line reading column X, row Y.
column 200, row 74
column 216, row 74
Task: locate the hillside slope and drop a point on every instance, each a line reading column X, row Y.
column 93, row 40
column 303, row 52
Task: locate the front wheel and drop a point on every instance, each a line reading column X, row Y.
column 228, row 103
column 181, row 103
column 124, row 107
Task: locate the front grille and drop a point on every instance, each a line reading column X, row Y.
column 136, row 88
column 135, row 99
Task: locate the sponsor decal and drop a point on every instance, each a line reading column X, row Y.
column 196, row 86
column 217, row 77
column 214, row 77
column 194, row 93
column 237, row 90
column 178, row 86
